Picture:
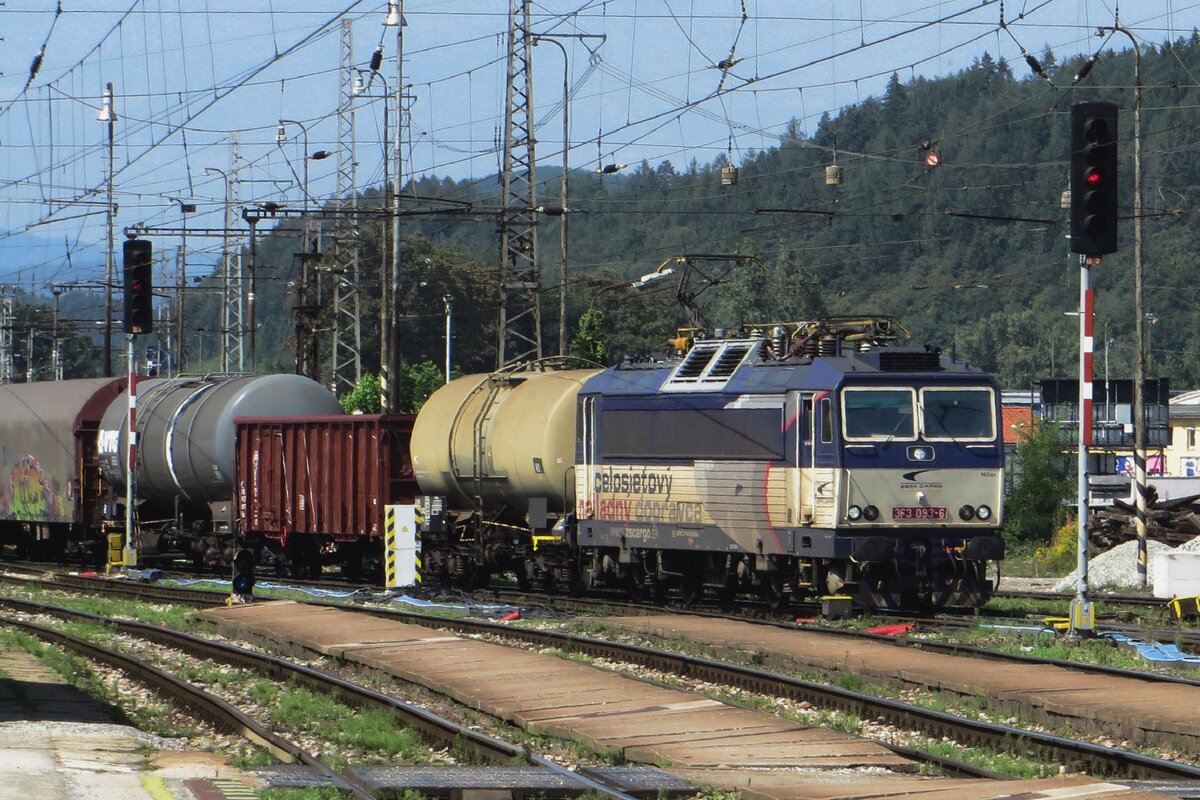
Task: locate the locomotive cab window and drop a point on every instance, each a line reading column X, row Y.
column 958, row 414
column 878, row 414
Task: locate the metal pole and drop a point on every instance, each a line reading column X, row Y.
column 562, row 195
column 1107, row 392
column 250, row 294
column 58, row 370
column 447, row 300
column 1082, row 621
column 1139, row 357
column 131, row 543
column 183, row 349
column 226, row 284
column 389, row 367
column 108, row 250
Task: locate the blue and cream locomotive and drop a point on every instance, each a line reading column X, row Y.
column 804, row 459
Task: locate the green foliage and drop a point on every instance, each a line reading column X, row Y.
column 415, row 383
column 363, row 397
column 1061, row 555
column 589, row 342
column 1034, row 508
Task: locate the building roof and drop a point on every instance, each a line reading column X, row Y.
column 1014, row 420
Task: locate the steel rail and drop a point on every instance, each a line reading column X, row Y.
column 1070, row 752
column 217, row 711
column 212, row 598
column 122, row 588
column 949, row 648
column 432, row 726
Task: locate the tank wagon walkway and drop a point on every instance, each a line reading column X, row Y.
column 704, row 741
column 1142, row 711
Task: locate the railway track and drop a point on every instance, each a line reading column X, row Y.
column 1074, row 754
column 433, row 727
column 221, row 714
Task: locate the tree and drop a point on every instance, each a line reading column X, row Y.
column 364, row 397
column 1035, row 507
column 415, row 383
column 588, row 344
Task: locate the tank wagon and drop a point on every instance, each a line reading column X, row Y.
column 824, row 458
column 62, row 475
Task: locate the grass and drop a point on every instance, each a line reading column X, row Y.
column 179, row 617
column 378, row 734
column 311, row 793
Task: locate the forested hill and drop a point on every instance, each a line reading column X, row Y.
column 971, row 252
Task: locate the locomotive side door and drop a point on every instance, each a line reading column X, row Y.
column 584, row 487
column 800, row 485
column 823, row 461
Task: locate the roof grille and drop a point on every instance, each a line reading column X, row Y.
column 709, row 366
column 695, row 363
column 728, row 361
column 900, row 361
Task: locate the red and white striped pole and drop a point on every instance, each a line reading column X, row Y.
column 1082, row 620
column 131, row 550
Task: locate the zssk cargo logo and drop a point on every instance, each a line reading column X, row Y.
column 910, row 480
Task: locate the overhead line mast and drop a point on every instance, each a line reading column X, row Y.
column 346, row 352
column 519, row 327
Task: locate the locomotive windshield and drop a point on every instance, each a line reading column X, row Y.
column 944, row 414
column 879, row 413
column 958, row 414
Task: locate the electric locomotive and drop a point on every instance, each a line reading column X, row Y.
column 810, row 458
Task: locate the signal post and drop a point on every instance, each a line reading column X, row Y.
column 1093, row 233
column 138, row 318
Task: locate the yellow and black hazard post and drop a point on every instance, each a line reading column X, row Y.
column 116, row 551
column 389, row 547
column 402, row 545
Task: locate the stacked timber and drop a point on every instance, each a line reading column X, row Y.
column 1172, row 522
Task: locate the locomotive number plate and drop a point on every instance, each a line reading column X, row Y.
column 920, row 512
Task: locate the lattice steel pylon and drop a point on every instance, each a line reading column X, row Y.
column 519, row 328
column 233, row 352
column 6, row 339
column 346, row 352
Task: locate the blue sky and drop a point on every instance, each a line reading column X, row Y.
column 190, row 76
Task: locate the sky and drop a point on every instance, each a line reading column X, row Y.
column 648, row 79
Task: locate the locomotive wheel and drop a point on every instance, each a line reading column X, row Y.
column 642, row 587
column 773, row 592
column 691, row 588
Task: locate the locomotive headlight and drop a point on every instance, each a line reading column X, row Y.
column 871, row 513
column 853, row 513
column 984, row 513
column 966, row 513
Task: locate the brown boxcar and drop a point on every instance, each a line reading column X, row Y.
column 313, row 488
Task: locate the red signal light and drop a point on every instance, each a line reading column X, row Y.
column 1093, row 177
